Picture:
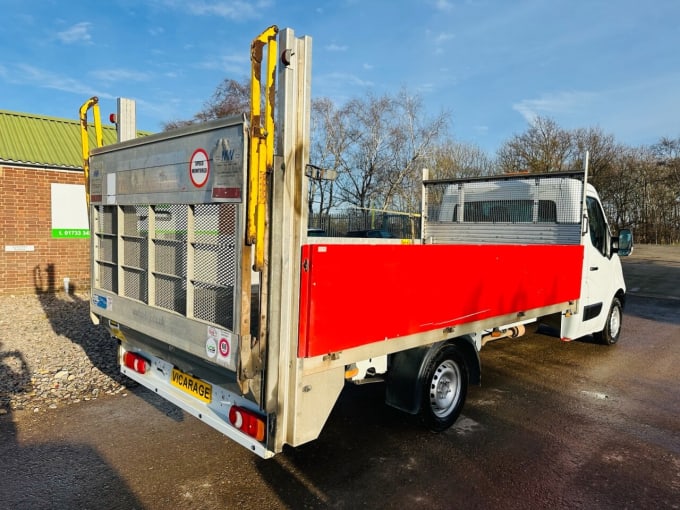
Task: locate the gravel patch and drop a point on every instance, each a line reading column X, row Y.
column 52, row 355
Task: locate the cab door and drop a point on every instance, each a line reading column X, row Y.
column 602, row 276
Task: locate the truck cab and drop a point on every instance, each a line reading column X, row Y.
column 603, row 294
column 552, row 208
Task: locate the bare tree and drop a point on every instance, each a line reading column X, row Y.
column 231, row 97
column 623, row 196
column 544, row 147
column 667, row 152
column 641, row 194
column 365, row 156
column 667, row 148
column 329, row 139
column 411, row 137
column 458, row 160
column 378, row 145
column 602, row 151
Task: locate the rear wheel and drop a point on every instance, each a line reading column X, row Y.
column 444, row 389
column 612, row 328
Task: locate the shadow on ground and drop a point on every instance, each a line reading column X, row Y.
column 53, row 475
column 69, row 316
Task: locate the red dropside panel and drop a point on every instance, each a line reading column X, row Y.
column 355, row 294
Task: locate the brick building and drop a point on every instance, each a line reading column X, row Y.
column 44, row 236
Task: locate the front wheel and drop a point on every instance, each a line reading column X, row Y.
column 612, row 328
column 444, row 389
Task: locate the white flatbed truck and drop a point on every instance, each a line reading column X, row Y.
column 203, row 270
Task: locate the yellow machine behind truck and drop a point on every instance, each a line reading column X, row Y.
column 222, row 304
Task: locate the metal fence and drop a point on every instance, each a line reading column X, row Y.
column 338, row 224
column 543, row 208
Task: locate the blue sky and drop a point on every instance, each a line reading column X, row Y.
column 492, row 64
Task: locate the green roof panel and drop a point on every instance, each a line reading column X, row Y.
column 37, row 140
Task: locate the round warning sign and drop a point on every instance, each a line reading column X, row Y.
column 224, row 347
column 199, row 168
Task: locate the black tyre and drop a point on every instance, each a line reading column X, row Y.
column 444, row 389
column 612, row 328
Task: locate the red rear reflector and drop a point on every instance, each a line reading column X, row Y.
column 247, row 422
column 135, row 362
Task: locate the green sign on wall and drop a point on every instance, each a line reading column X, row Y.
column 70, row 233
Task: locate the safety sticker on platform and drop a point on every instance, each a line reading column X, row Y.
column 222, row 340
column 102, row 302
column 199, row 168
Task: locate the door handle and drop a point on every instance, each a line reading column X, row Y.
column 594, row 268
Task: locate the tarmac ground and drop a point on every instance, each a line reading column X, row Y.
column 653, row 271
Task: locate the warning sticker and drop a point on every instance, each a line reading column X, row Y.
column 224, row 347
column 199, row 168
column 221, row 347
column 227, row 157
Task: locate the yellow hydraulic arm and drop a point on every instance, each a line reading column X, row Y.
column 260, row 161
column 262, row 139
column 93, row 103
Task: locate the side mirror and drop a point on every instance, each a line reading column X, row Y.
column 623, row 244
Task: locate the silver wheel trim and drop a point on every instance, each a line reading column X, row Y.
column 445, row 388
column 615, row 322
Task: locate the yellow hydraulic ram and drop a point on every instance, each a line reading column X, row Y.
column 261, row 140
column 93, row 103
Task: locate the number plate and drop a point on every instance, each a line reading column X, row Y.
column 191, row 385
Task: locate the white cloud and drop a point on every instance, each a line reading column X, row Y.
column 368, row 67
column 637, row 112
column 336, row 81
column 553, row 104
column 641, row 111
column 80, row 32
column 235, row 10
column 350, row 79
column 443, row 5
column 238, row 64
column 335, row 47
column 426, row 88
column 443, row 37
column 29, row 75
column 114, row 75
column 440, row 40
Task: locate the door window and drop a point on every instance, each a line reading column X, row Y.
column 597, row 225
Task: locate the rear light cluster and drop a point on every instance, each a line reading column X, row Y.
column 135, row 362
column 247, row 422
